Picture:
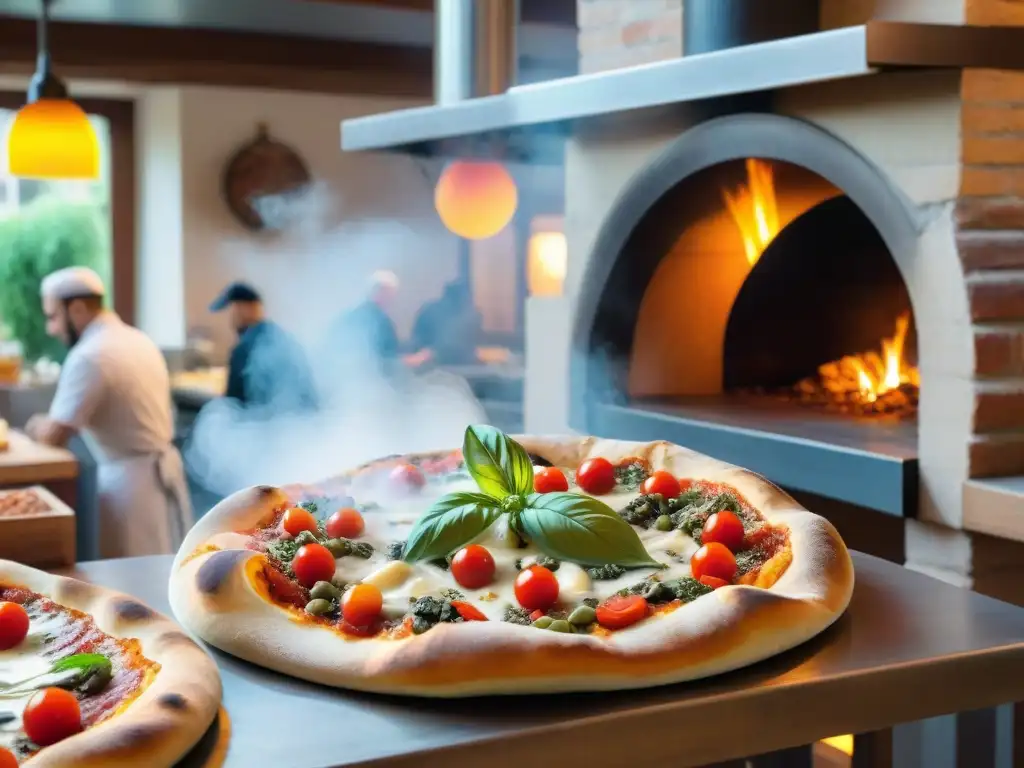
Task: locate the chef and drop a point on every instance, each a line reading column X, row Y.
column 114, row 389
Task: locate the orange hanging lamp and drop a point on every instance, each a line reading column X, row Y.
column 476, row 199
column 51, row 136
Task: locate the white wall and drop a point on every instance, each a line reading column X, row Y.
column 369, row 211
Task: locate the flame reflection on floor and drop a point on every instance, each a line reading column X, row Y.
column 863, row 384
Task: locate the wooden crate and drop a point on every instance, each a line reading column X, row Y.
column 45, row 540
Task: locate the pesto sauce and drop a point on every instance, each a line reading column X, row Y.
column 686, row 589
column 516, row 615
column 605, row 572
column 631, row 476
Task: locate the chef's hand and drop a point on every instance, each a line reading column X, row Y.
column 419, row 358
column 43, row 429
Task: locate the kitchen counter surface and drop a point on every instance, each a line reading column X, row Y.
column 26, row 462
column 908, row 648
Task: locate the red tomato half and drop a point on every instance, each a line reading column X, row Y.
column 661, row 482
column 468, row 612
column 473, row 567
column 725, row 528
column 713, row 559
column 7, row 759
column 13, row 625
column 346, row 523
column 536, row 588
column 312, row 563
column 620, row 612
column 51, row 715
column 407, row 477
column 361, row 605
column 549, row 480
column 713, row 582
column 596, row 476
column 296, row 520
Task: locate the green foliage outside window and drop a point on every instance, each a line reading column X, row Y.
column 48, row 234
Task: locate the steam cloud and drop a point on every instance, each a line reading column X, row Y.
column 362, row 413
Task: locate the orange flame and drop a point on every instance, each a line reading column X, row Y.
column 753, row 208
column 871, row 374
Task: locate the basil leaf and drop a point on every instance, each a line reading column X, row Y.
column 581, row 529
column 499, row 465
column 451, row 522
column 80, row 661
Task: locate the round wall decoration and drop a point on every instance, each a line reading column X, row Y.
column 262, row 182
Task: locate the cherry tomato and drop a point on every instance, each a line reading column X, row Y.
column 468, row 612
column 407, row 477
column 713, row 582
column 725, row 528
column 296, row 520
column 13, row 625
column 536, row 587
column 7, row 759
column 713, row 559
column 619, row 612
column 596, row 476
column 346, row 523
column 549, row 480
column 473, row 567
column 361, row 604
column 312, row 563
column 283, row 589
column 661, row 482
column 51, row 715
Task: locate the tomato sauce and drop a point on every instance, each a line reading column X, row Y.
column 75, row 632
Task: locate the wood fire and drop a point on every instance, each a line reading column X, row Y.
column 870, row 383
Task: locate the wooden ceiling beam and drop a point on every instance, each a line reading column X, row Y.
column 215, row 57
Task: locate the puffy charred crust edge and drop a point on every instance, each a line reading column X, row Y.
column 727, row 629
column 217, row 569
column 174, row 711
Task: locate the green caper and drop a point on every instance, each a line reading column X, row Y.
column 318, row 606
column 305, row 537
column 338, row 547
column 663, row 523
column 324, row 590
column 560, row 625
column 582, row 616
column 543, row 622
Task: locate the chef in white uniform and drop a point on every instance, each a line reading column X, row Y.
column 114, row 389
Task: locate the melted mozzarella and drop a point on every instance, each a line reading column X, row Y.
column 401, row 583
column 21, row 662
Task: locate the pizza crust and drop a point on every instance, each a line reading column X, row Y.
column 214, row 593
column 169, row 716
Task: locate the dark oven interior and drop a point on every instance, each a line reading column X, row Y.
column 756, row 314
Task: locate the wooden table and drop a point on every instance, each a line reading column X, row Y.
column 27, row 462
column 909, row 647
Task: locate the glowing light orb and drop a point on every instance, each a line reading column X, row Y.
column 53, row 139
column 475, row 200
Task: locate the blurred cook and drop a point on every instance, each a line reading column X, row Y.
column 114, row 389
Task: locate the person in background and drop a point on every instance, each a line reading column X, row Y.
column 367, row 329
column 114, row 389
column 447, row 330
column 267, row 366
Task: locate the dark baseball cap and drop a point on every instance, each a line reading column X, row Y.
column 234, row 292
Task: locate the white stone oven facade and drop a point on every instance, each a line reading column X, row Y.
column 950, row 146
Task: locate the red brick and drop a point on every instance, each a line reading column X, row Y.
column 992, row 118
column 998, row 353
column 997, row 299
column 636, row 32
column 995, row 411
column 990, row 213
column 990, row 456
column 992, row 85
column 991, row 250
column 991, row 149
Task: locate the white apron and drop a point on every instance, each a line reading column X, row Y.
column 144, row 504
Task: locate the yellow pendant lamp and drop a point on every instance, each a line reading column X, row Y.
column 475, row 200
column 51, row 136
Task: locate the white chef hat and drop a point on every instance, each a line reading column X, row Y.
column 72, row 283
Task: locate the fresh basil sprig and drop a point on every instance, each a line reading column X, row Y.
column 566, row 526
column 85, row 672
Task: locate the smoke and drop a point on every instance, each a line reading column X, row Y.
column 310, row 275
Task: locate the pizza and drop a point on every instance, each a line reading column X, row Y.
column 513, row 565
column 90, row 677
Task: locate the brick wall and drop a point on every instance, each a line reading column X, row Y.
column 990, row 238
column 623, row 33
